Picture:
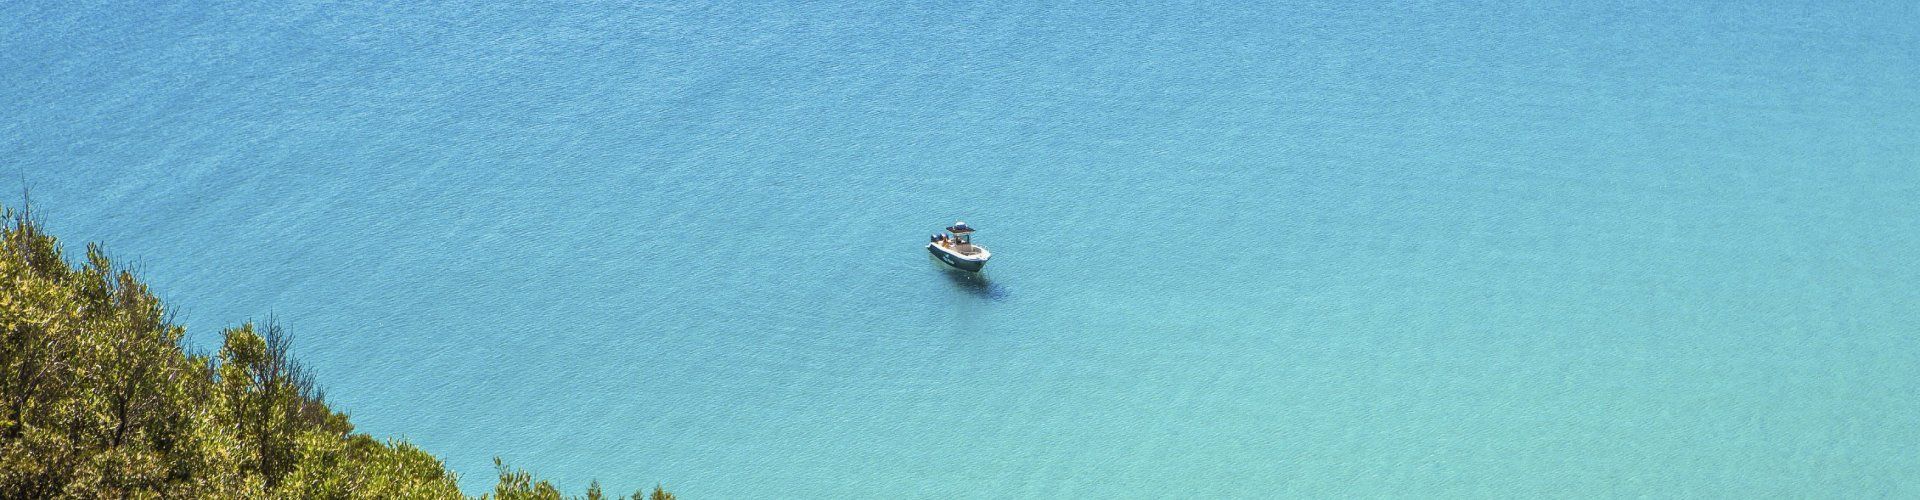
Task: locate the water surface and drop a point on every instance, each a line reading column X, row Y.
column 1306, row 249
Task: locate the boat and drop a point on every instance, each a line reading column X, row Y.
column 955, row 248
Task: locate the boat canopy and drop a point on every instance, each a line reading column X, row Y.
column 959, row 228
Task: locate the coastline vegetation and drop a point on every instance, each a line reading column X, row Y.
column 99, row 398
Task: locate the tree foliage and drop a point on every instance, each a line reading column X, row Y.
column 99, row 399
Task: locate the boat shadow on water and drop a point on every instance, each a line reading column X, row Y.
column 975, row 283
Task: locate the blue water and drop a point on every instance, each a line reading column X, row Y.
column 1315, row 249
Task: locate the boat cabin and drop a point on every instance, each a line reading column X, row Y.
column 959, row 238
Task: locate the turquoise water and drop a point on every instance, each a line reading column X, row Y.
column 1313, row 249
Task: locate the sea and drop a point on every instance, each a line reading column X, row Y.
column 1241, row 249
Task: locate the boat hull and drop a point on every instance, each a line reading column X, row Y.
column 955, row 261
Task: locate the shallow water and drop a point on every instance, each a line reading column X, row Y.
column 1305, row 249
